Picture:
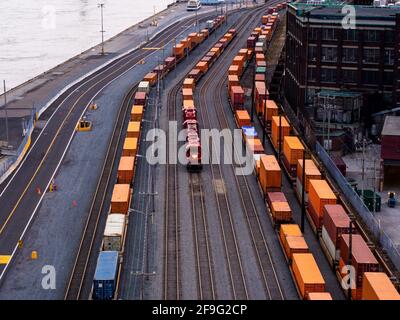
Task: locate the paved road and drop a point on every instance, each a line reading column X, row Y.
column 21, row 198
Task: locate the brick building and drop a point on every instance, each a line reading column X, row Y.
column 322, row 55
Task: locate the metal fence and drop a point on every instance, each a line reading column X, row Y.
column 368, row 218
column 11, row 162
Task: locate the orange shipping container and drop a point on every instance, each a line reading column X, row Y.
column 137, row 113
column 254, row 145
column 320, row 194
column 270, row 174
column 216, row 50
column 188, row 83
column 120, row 198
column 311, row 172
column 202, row 66
column 126, row 170
column 260, row 57
column 272, row 109
column 243, row 52
column 292, row 149
column 242, row 118
column 319, row 296
column 233, row 80
column 295, row 244
column 285, row 130
column 151, row 77
column 178, row 49
column 281, row 211
column 233, row 70
column 287, row 230
column 188, row 104
column 187, row 94
column 377, row 286
column 307, row 274
column 133, row 130
column 130, row 147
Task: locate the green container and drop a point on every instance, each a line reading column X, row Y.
column 369, row 200
column 262, row 70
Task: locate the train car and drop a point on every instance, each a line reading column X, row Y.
column 193, row 5
column 212, row 2
column 193, row 155
column 105, row 277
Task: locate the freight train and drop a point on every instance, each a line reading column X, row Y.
column 326, row 212
column 108, row 263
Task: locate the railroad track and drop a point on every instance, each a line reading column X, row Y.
column 206, row 287
column 235, row 269
column 78, row 277
column 266, row 267
column 171, row 242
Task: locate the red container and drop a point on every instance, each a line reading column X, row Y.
column 140, row 98
column 232, row 31
column 251, row 42
column 260, row 77
column 159, row 69
column 362, row 258
column 169, row 62
column 260, row 63
column 194, row 74
column 336, row 222
column 237, row 97
column 275, row 197
column 391, row 138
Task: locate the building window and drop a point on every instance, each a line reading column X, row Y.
column 312, row 74
column 350, row 35
column 371, row 35
column 312, row 53
column 313, row 33
column 388, row 78
column 350, row 55
column 328, row 75
column 389, row 56
column 349, row 76
column 329, row 54
column 371, row 55
column 370, row 77
column 389, row 36
column 329, row 34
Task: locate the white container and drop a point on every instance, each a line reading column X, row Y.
column 335, row 254
column 144, row 86
column 114, row 232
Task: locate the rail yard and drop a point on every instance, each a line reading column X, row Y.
column 199, row 225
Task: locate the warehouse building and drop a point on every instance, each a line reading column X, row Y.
column 341, row 75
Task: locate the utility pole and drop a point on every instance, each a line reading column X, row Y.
column 5, row 109
column 101, row 6
column 303, row 202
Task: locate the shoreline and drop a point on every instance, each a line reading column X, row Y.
column 53, row 69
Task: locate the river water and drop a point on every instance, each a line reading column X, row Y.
column 36, row 35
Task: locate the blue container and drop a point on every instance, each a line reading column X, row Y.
column 249, row 131
column 105, row 277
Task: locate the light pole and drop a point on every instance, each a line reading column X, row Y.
column 101, row 6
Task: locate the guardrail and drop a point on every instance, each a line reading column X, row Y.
column 368, row 218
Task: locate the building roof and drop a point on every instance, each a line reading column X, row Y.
column 331, row 11
column 391, row 126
